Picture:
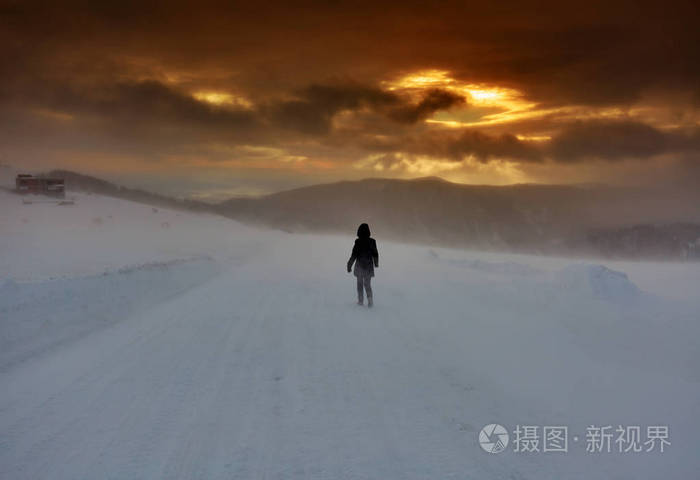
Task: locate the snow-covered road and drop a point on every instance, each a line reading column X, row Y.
column 263, row 367
column 242, row 377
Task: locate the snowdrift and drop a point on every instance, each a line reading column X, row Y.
column 42, row 315
column 597, row 281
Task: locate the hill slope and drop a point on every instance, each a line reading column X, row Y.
column 531, row 218
column 552, row 219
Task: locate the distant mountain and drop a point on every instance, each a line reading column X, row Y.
column 527, row 218
column 550, row 219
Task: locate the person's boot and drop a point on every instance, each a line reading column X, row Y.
column 360, row 301
column 369, row 302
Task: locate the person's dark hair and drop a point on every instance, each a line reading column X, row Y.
column 363, row 231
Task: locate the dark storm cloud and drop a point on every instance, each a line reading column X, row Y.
column 152, row 101
column 597, row 52
column 151, row 109
column 317, row 74
column 485, row 147
column 459, row 146
column 145, row 117
column 434, row 101
column 313, row 111
column 613, row 141
column 608, row 141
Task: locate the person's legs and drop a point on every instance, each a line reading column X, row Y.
column 368, row 289
column 359, row 290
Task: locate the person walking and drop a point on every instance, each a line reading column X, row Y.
column 366, row 258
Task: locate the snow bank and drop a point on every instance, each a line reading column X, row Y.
column 36, row 316
column 597, row 281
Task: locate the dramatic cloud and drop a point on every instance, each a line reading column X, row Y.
column 313, row 111
column 347, row 89
column 459, row 146
column 434, row 101
column 619, row 140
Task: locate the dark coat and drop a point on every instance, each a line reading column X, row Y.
column 364, row 253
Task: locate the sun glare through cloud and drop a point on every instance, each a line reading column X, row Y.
column 222, row 99
column 500, row 104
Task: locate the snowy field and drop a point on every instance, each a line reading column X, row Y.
column 147, row 343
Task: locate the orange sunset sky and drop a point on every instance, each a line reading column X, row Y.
column 214, row 99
